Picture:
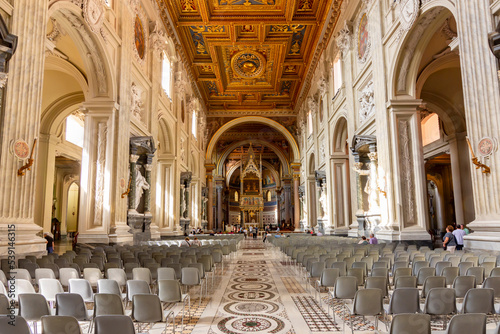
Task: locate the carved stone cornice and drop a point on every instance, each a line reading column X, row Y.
column 361, row 143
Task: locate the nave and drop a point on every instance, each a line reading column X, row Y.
column 272, row 287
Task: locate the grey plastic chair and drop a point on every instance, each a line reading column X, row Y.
column 377, row 282
column 495, row 272
column 411, row 323
column 479, row 301
column 147, row 309
column 462, row 284
column 201, row 270
column 49, row 287
column 166, row 273
column 404, row 300
column 440, row 266
column 345, row 289
column 401, row 272
column 32, row 306
column 441, row 301
column 358, row 273
column 367, row 302
column 169, row 291
column 341, row 266
column 328, row 278
column 467, row 323
column 109, row 286
column 190, row 277
column 464, row 266
column 71, row 304
column 57, row 324
column 143, row 274
column 81, row 287
column 405, row 282
column 92, row 275
column 65, row 274
column 135, row 287
column 380, row 272
column 107, row 304
column 493, row 283
column 21, row 326
column 419, row 265
column 4, row 304
column 423, row 273
column 433, row 282
column 106, row 324
column 20, row 286
column 478, row 272
column 450, row 273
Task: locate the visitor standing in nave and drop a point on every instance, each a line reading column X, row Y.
column 449, row 241
column 459, row 236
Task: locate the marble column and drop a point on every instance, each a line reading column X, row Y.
column 410, row 186
column 182, row 201
column 219, row 188
column 482, row 103
column 296, row 201
column 373, row 199
column 210, row 203
column 21, row 120
column 288, row 205
column 456, row 177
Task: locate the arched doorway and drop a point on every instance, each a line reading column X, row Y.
column 340, row 176
column 72, row 207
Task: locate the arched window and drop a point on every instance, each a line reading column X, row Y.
column 166, row 75
column 269, row 196
column 74, row 130
column 236, row 196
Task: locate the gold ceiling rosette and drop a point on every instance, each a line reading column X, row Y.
column 248, row 64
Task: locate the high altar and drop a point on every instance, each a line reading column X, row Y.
column 251, row 201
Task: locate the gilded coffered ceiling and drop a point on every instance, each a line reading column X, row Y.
column 249, row 55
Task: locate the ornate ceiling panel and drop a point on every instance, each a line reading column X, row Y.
column 248, row 55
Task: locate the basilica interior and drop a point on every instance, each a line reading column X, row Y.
column 128, row 124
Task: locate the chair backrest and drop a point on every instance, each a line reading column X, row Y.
column 65, row 274
column 345, row 287
column 106, row 324
column 462, row 284
column 56, row 324
column 440, row 266
column 3, row 278
column 169, row 291
column 382, row 272
column 329, row 277
column 418, row 265
column 147, row 308
column 4, row 304
column 200, row 268
column 21, row 326
column 405, row 282
column 92, row 275
column 467, row 323
column 493, row 283
column 377, row 282
column 404, row 300
column 368, row 302
column 81, row 287
column 107, row 304
column 143, row 274
column 401, row 272
column 440, row 301
column 108, row 286
column 358, row 273
column 362, row 265
column 411, row 323
column 450, row 273
column 137, row 286
column 118, row 275
column 166, row 273
column 478, row 272
column 464, row 266
column 479, row 301
column 20, row 286
column 32, row 306
column 49, row 287
column 433, row 282
column 423, row 273
column 71, row 304
column 341, row 266
column 20, row 273
column 190, row 276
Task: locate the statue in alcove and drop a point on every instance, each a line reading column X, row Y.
column 140, row 185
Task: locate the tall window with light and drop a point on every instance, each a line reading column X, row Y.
column 166, row 75
column 309, row 123
column 194, row 124
column 337, row 75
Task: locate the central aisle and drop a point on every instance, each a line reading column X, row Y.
column 259, row 293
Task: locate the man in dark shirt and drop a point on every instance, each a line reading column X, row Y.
column 50, row 243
